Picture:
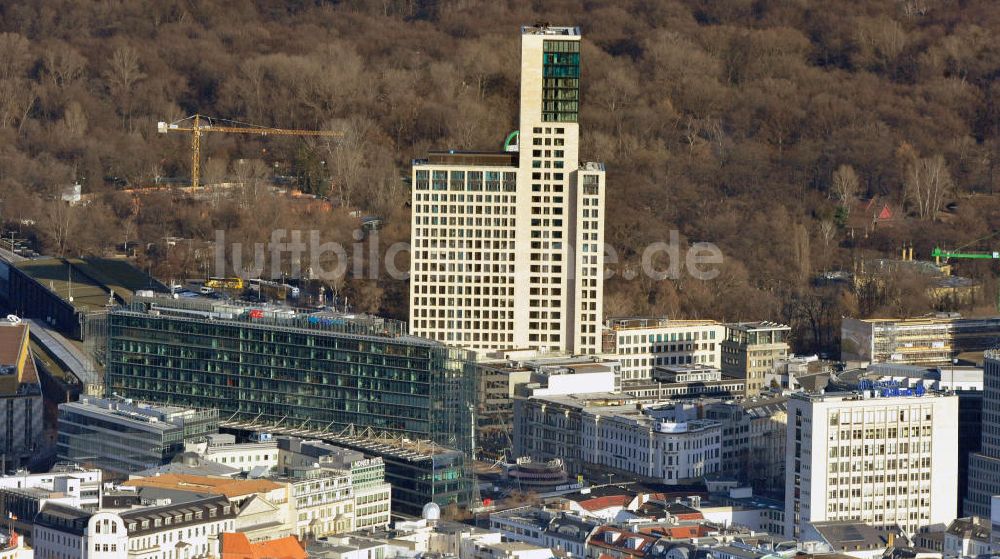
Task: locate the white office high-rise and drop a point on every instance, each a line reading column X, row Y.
column 508, row 246
column 880, row 460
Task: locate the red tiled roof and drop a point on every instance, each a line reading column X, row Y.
column 620, row 545
column 601, row 503
column 237, row 546
column 677, row 532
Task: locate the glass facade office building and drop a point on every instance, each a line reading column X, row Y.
column 278, row 368
column 121, row 438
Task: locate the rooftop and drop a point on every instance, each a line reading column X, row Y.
column 757, row 325
column 210, row 509
column 546, row 29
column 237, row 546
column 849, row 535
column 63, row 517
column 190, row 463
column 275, row 317
column 624, row 407
column 228, row 487
column 367, row 442
column 149, row 416
column 17, row 368
column 89, row 282
column 638, row 323
column 971, row 527
column 470, row 158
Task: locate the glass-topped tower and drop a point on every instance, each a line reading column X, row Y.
column 508, row 246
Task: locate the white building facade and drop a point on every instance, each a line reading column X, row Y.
column 508, row 247
column 642, row 344
column 652, row 443
column 882, row 460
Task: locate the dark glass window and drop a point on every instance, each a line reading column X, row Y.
column 561, row 85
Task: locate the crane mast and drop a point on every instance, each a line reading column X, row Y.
column 197, row 128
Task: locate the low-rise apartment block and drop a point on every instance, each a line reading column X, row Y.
column 189, row 530
column 336, row 490
column 751, row 349
column 612, row 433
column 644, row 343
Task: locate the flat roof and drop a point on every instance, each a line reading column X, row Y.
column 758, row 325
column 89, row 281
column 148, row 417
column 271, row 316
column 471, row 158
column 546, row 29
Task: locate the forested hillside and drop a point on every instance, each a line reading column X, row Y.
column 759, row 125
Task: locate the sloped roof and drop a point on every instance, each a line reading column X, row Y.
column 849, row 535
column 601, row 503
column 237, row 546
column 204, row 484
column 970, row 528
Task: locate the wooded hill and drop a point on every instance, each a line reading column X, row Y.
column 759, row 125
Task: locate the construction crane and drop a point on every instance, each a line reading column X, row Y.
column 200, row 124
column 940, row 254
column 959, row 252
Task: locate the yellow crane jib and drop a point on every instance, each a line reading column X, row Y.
column 198, row 124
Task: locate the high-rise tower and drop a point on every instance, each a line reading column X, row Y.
column 984, row 466
column 508, row 247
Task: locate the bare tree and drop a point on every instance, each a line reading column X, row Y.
column 214, row 170
column 59, row 222
column 74, row 121
column 827, row 231
column 800, row 239
column 251, row 175
column 347, row 157
column 17, row 94
column 928, row 184
column 63, row 65
column 881, row 40
column 845, row 185
column 121, row 76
